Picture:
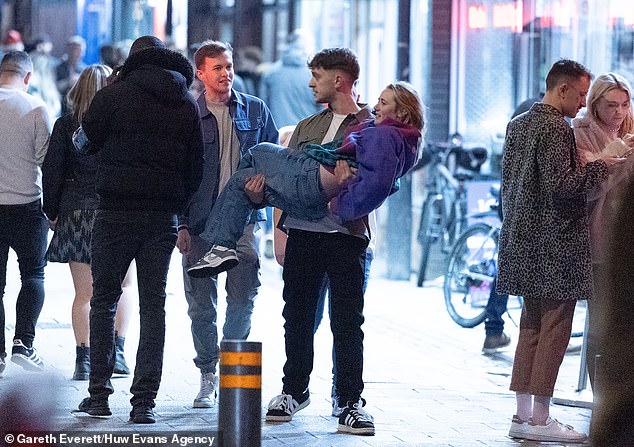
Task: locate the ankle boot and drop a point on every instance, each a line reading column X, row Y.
column 82, row 363
column 120, row 365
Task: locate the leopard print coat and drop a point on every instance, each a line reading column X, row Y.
column 544, row 241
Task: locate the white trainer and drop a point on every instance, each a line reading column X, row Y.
column 553, row 431
column 208, row 393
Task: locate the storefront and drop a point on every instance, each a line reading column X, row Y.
column 503, row 50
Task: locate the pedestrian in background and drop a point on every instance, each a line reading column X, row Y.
column 24, row 132
column 147, row 132
column 71, row 65
column 606, row 127
column 70, row 203
column 284, row 86
column 232, row 122
column 544, row 243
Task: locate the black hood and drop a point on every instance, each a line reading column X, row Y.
column 164, row 73
column 162, row 58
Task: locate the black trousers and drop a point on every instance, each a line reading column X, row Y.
column 310, row 256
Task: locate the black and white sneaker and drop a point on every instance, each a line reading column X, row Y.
column 27, row 358
column 216, row 260
column 283, row 407
column 2, row 365
column 355, row 420
column 337, row 410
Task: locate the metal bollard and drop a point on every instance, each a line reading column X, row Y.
column 240, row 399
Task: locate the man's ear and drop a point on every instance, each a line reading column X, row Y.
column 27, row 78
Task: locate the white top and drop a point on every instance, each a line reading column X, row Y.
column 25, row 128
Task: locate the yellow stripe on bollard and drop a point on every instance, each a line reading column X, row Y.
column 234, row 381
column 241, row 358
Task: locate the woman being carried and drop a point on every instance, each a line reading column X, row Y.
column 310, row 184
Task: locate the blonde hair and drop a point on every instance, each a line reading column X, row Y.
column 600, row 87
column 409, row 107
column 91, row 80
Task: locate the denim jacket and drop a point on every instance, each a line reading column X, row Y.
column 253, row 124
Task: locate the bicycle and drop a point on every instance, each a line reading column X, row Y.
column 444, row 211
column 471, row 269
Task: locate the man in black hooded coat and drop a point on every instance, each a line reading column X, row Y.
column 147, row 131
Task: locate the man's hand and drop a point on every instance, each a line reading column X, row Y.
column 184, row 241
column 343, row 172
column 52, row 223
column 254, row 189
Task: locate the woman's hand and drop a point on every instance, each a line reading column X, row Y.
column 343, row 172
column 254, row 189
column 183, row 241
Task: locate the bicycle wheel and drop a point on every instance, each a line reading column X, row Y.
column 430, row 216
column 470, row 273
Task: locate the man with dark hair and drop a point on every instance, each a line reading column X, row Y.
column 232, row 122
column 147, row 131
column 24, row 130
column 545, row 244
column 325, row 249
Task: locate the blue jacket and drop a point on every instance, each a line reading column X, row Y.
column 254, row 124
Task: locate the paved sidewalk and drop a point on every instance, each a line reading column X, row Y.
column 427, row 384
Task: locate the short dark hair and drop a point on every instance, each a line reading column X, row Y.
column 342, row 59
column 566, row 69
column 211, row 48
column 17, row 62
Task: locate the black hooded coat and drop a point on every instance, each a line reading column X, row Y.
column 146, row 129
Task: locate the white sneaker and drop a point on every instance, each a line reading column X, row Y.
column 553, row 431
column 208, row 391
column 216, row 260
column 283, row 407
column 518, row 427
column 2, row 365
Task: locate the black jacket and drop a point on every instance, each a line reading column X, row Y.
column 68, row 178
column 146, row 128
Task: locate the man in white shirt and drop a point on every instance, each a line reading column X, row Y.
column 24, row 132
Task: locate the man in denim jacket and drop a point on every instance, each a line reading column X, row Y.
column 232, row 123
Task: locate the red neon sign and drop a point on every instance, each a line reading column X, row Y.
column 508, row 15
column 477, row 17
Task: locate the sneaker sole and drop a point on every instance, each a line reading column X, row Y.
column 286, row 418
column 203, row 271
column 204, row 404
column 80, row 413
column 545, row 438
column 365, row 431
column 26, row 363
column 494, row 350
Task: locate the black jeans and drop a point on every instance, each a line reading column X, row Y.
column 24, row 229
column 310, row 256
column 496, row 306
column 118, row 238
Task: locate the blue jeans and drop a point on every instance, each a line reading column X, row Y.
column 496, row 306
column 119, row 237
column 24, row 229
column 292, row 185
column 202, row 298
column 309, row 257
